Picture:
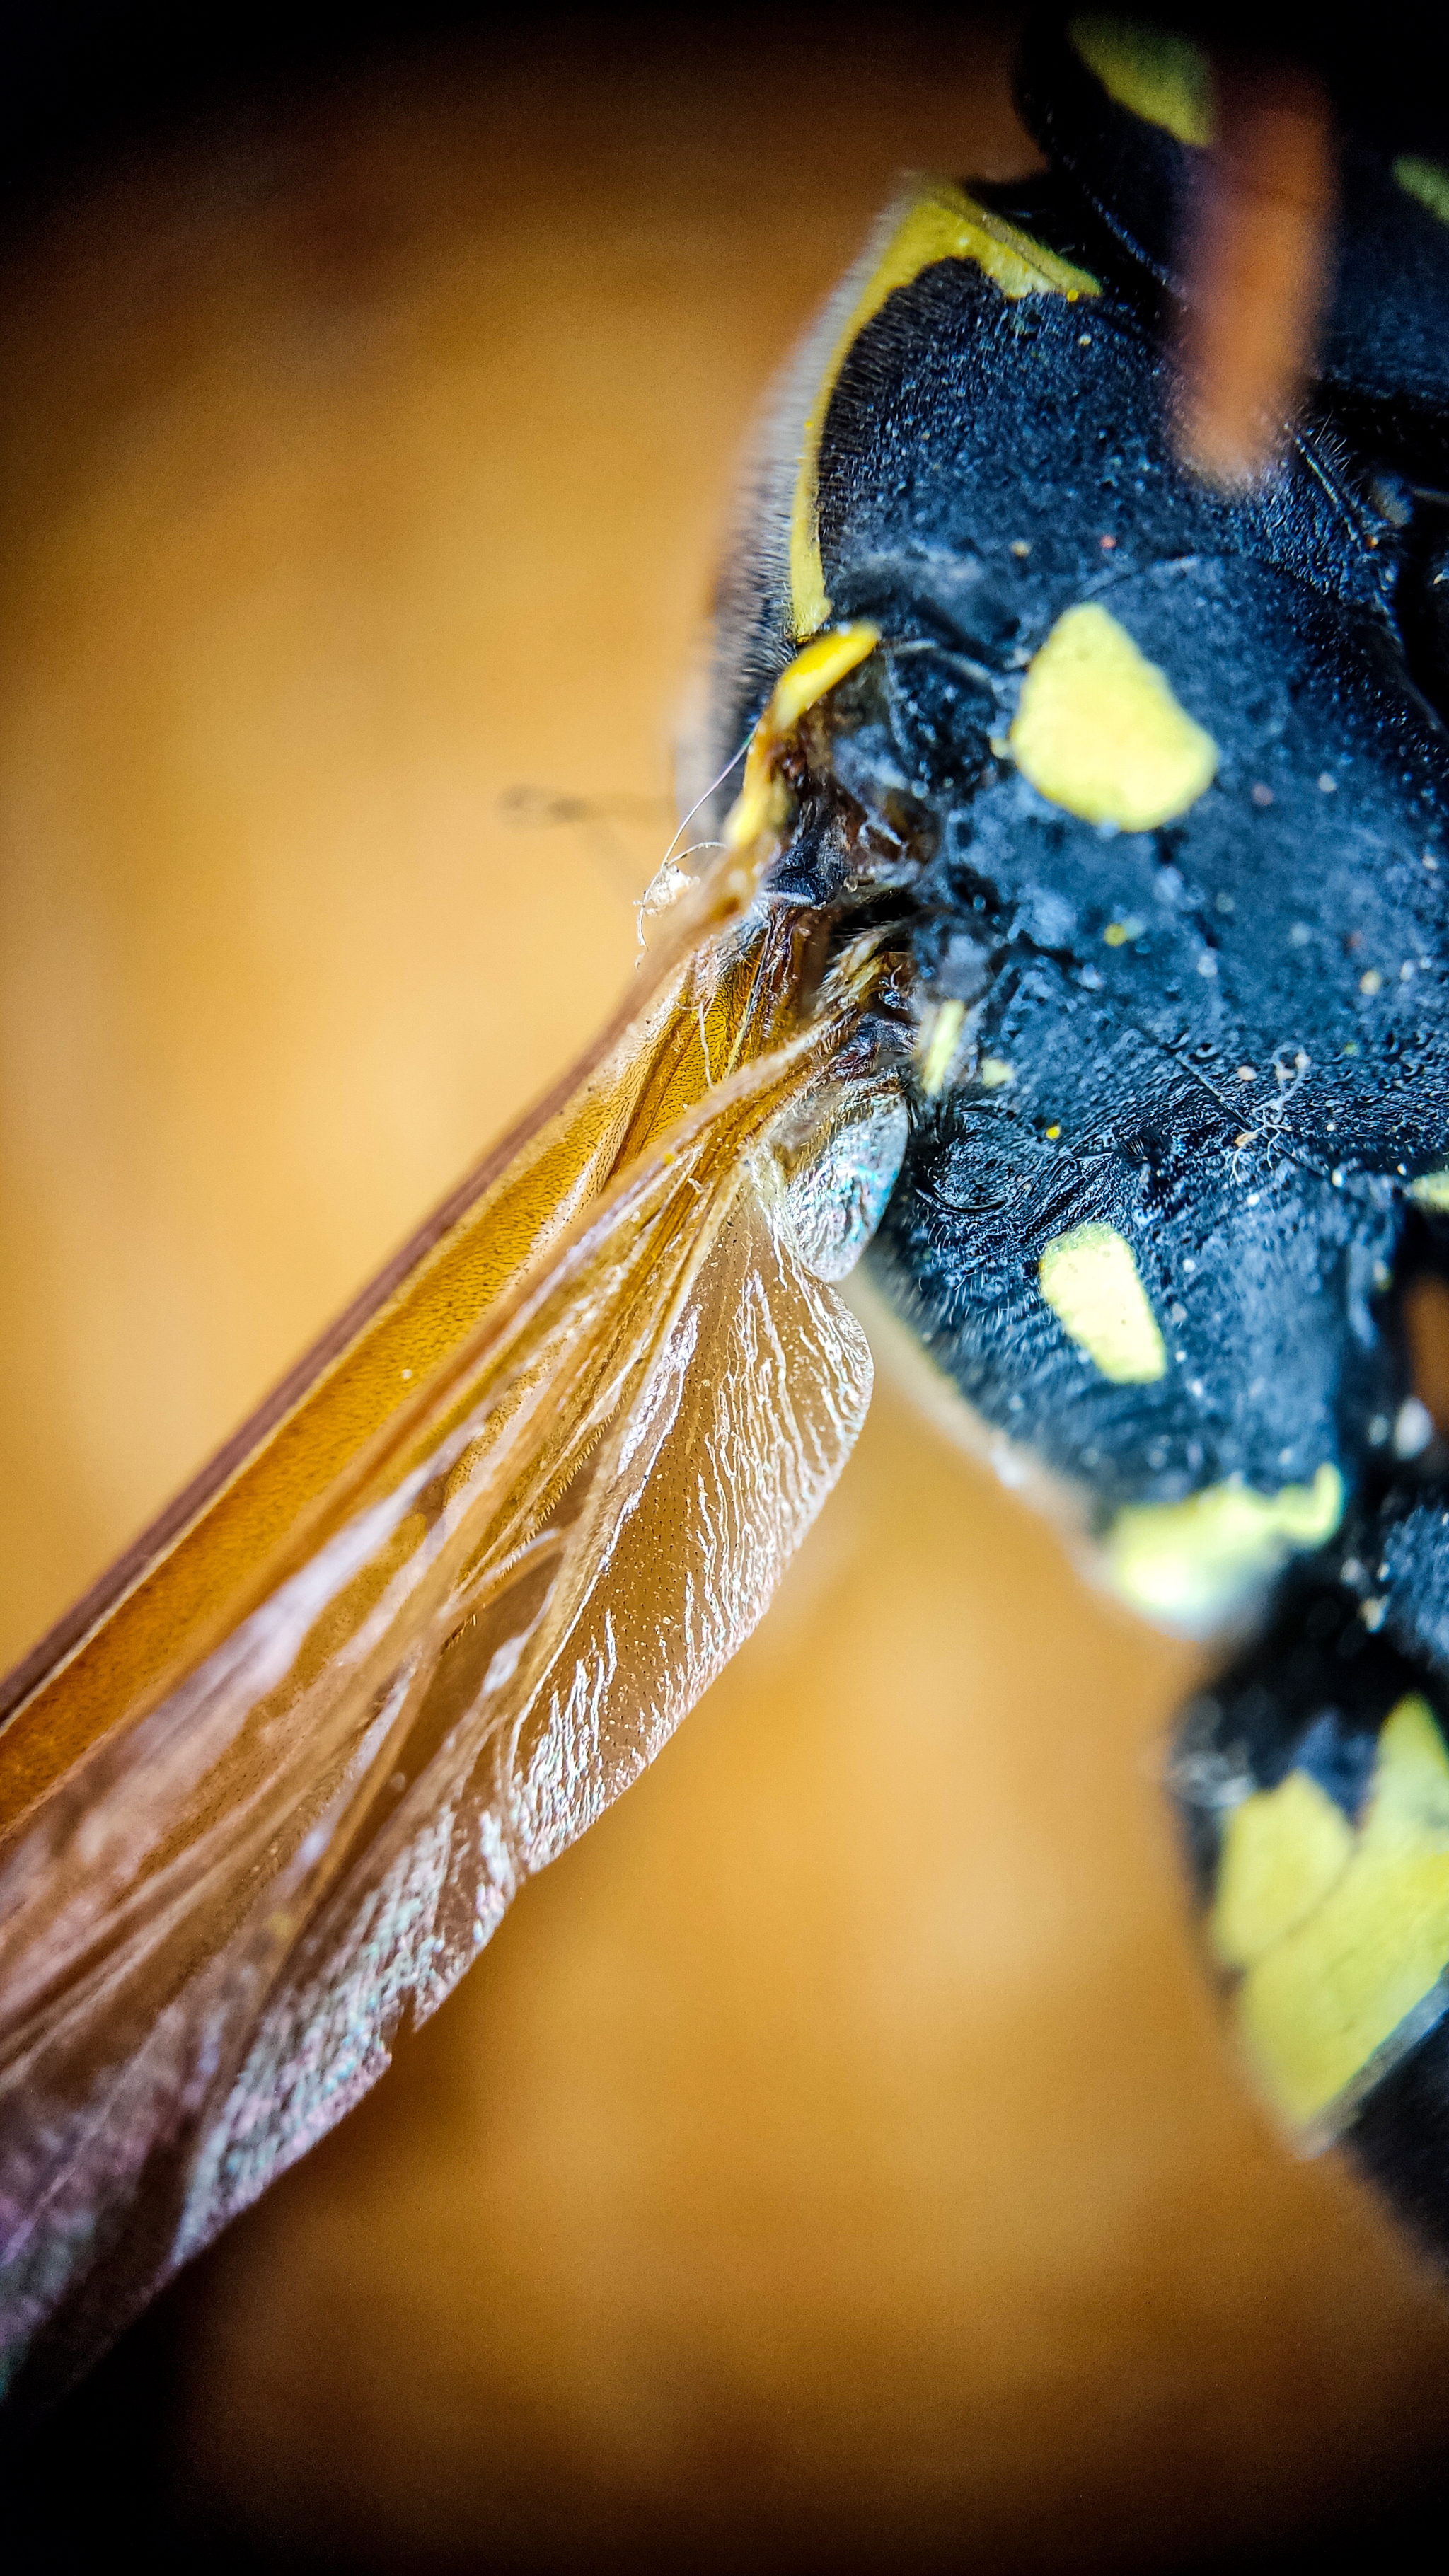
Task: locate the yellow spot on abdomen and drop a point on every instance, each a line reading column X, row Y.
column 1099, row 731
column 1432, row 1191
column 1426, row 180
column 1190, row 1564
column 1090, row 1279
column 938, row 223
column 1327, row 1995
column 1282, row 1852
column 1160, row 77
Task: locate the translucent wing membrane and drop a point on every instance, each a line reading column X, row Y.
column 479, row 1631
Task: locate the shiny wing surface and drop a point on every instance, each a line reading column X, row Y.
column 485, row 1627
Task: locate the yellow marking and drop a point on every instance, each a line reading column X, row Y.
column 941, row 222
column 1163, row 79
column 1318, row 2004
column 936, row 1044
column 1282, row 1852
column 1191, row 1563
column 1099, row 731
column 995, row 1071
column 1090, row 1279
column 1426, row 180
column 1432, row 1191
column 763, row 801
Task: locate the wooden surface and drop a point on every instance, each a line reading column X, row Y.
column 838, row 2152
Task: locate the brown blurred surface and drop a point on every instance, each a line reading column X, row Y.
column 1256, row 267
column 836, row 2155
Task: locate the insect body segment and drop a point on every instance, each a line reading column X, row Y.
column 1158, row 781
column 1077, row 953
column 1338, row 1924
column 1314, row 1783
column 1128, row 967
column 935, row 223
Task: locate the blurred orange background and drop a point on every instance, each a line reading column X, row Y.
column 837, row 2156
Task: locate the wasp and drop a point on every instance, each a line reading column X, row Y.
column 1067, row 963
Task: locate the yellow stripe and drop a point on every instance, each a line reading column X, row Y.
column 1349, row 1936
column 763, row 801
column 941, row 222
column 1194, row 1563
column 1162, row 78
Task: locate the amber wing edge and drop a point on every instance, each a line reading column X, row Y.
column 211, row 1927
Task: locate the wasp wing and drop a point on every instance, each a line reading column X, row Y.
column 210, row 1929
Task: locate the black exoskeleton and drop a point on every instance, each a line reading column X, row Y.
column 1180, row 1112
